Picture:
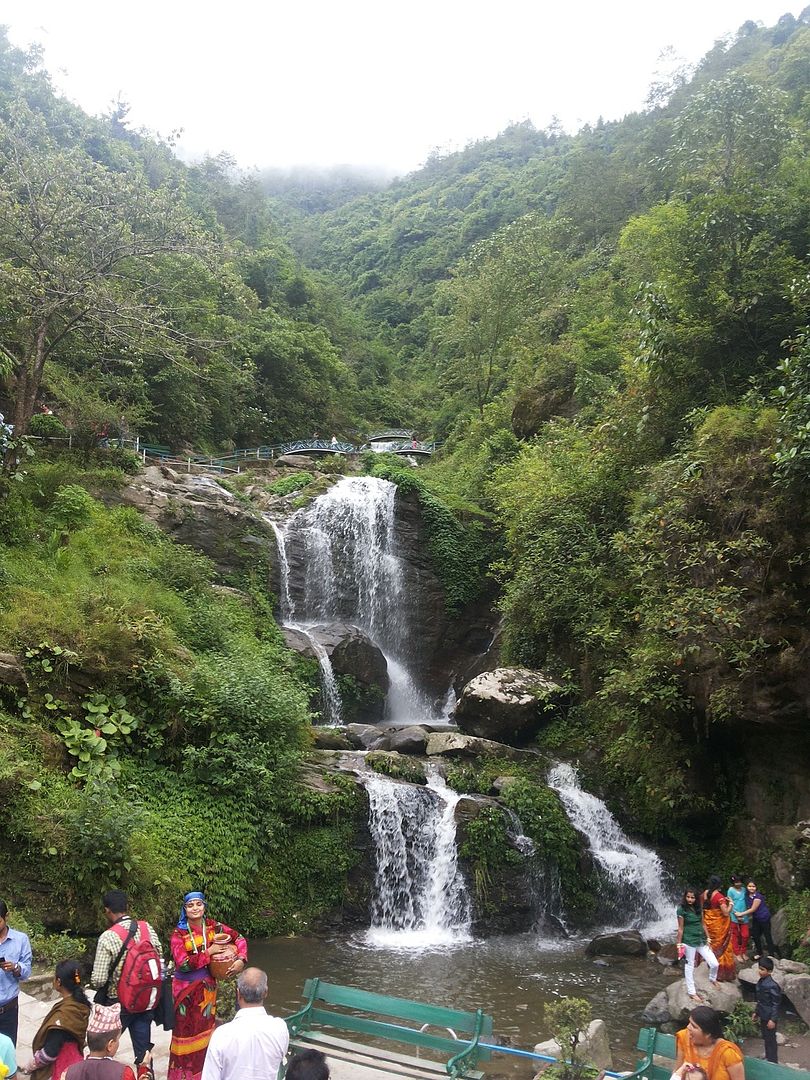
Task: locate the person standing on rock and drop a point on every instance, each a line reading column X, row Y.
column 717, row 920
column 692, row 939
column 769, row 997
column 739, row 921
column 15, row 967
column 760, row 920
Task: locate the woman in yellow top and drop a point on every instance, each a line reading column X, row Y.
column 701, row 1043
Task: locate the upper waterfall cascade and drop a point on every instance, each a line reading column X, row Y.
column 420, row 895
column 349, row 569
column 634, row 875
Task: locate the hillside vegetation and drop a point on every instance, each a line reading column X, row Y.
column 607, row 331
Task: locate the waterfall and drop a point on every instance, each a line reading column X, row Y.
column 420, row 896
column 632, row 876
column 348, row 569
column 332, row 708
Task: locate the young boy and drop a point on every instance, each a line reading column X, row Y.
column 103, row 1038
column 769, row 995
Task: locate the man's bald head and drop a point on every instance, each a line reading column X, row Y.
column 251, row 986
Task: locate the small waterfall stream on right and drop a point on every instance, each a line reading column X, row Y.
column 634, row 879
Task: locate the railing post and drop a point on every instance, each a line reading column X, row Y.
column 188, row 465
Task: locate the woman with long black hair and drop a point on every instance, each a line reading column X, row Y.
column 59, row 1042
column 692, row 939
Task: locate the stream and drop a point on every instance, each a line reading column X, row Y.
column 510, row 977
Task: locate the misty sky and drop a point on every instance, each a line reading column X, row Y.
column 365, row 82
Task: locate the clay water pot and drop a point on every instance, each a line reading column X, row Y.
column 223, row 952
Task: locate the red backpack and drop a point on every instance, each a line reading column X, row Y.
column 142, row 971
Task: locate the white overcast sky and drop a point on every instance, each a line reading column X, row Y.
column 365, row 82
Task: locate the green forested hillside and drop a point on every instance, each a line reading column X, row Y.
column 607, row 331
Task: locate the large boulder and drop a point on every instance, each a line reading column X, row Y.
column 594, row 1047
column 797, row 990
column 722, row 996
column 508, row 704
column 408, row 740
column 657, row 1011
column 454, row 744
column 622, row 943
column 351, row 653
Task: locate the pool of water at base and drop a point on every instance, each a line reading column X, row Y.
column 511, row 977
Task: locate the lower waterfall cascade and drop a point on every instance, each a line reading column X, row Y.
column 420, row 898
column 633, row 875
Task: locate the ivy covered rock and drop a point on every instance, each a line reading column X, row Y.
column 508, row 704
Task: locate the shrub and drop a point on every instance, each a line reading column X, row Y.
column 286, row 485
column 47, row 426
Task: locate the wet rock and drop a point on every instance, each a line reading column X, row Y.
column 329, row 739
column 11, row 671
column 351, row 653
column 668, row 954
column 594, row 1046
column 723, row 996
column 409, row 740
column 508, row 704
column 657, row 1010
column 454, row 744
column 364, row 736
column 623, row 943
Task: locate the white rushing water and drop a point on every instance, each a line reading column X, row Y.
column 633, row 875
column 421, row 899
column 348, row 569
column 332, row 707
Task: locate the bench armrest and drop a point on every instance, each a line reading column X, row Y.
column 297, row 1021
column 469, row 1055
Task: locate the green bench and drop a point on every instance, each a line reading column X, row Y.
column 346, row 1009
column 655, row 1044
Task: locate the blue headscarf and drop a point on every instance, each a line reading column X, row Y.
column 182, row 922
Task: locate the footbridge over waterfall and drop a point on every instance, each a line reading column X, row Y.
column 394, row 441
column 399, row 441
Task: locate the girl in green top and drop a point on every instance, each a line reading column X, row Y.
column 692, row 939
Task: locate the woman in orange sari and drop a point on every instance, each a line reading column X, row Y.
column 717, row 920
column 701, row 1044
column 194, row 988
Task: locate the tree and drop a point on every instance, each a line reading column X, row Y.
column 78, row 257
column 497, row 288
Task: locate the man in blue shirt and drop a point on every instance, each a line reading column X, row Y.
column 15, row 966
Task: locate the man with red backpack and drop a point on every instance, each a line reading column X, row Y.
column 128, row 969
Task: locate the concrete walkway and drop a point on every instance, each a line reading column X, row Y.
column 32, row 1012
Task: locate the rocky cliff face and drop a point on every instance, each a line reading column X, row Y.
column 200, row 512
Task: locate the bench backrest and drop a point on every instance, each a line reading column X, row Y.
column 755, row 1069
column 470, row 1024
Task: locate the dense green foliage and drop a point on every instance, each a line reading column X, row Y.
column 607, row 331
column 158, row 740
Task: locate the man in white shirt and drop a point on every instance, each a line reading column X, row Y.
column 253, row 1045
